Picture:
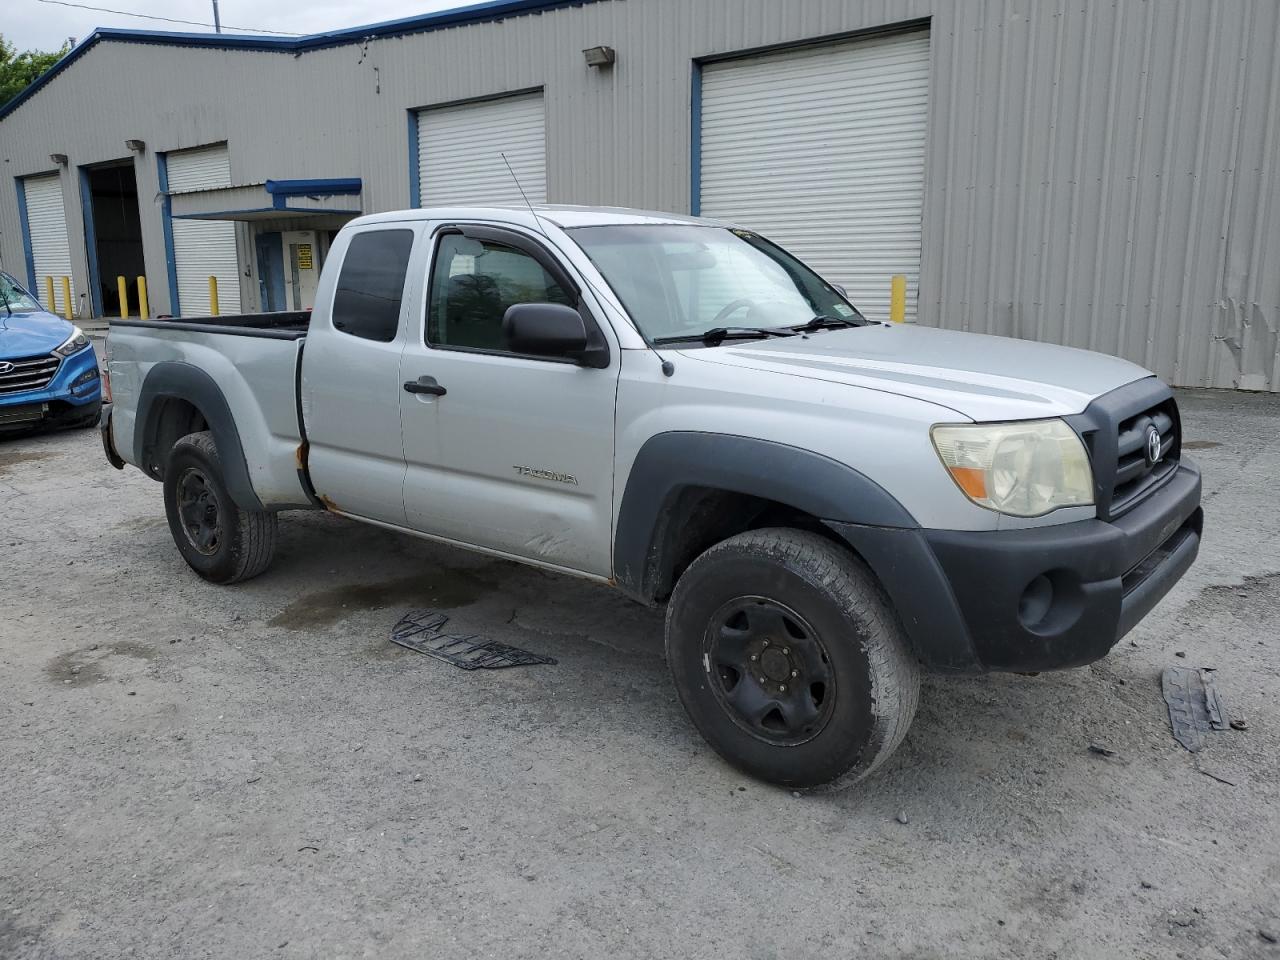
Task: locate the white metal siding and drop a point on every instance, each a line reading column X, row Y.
column 460, row 152
column 204, row 248
column 47, row 227
column 822, row 150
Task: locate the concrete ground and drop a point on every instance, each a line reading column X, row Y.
column 255, row 771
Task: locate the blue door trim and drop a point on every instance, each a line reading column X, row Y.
column 166, row 220
column 415, row 188
column 27, row 253
column 695, row 139
column 90, row 243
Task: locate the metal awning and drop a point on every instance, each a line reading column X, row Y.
column 271, row 200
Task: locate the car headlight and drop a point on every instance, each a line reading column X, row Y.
column 1023, row 469
column 73, row 344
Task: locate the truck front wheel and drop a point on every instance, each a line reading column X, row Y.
column 789, row 659
column 219, row 540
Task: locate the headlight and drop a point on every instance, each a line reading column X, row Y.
column 73, row 344
column 1023, row 469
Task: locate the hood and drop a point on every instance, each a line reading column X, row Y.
column 31, row 334
column 981, row 377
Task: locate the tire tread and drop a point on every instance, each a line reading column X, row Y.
column 257, row 531
column 844, row 576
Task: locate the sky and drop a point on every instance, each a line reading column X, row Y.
column 30, row 24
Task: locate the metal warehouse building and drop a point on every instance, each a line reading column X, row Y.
column 1100, row 174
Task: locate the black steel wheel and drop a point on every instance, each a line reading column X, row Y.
column 200, row 512
column 770, row 670
column 219, row 539
column 789, row 658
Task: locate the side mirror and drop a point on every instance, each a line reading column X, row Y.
column 544, row 330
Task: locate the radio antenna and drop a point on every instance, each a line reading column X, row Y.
column 524, row 196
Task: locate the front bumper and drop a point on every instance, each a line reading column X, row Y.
column 1043, row 598
column 73, row 396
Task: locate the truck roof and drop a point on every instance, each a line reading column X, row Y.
column 562, row 215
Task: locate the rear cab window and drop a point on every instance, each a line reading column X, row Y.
column 366, row 303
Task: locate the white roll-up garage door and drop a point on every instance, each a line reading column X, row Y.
column 822, row 150
column 204, row 248
column 460, row 152
column 47, row 232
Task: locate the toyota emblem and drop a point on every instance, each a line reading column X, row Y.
column 1153, row 446
column 5, row 366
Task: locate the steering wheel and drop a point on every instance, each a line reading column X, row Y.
column 730, row 308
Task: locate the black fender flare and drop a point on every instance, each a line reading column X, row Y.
column 854, row 507
column 669, row 463
column 175, row 380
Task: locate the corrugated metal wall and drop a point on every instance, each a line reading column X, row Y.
column 1102, row 174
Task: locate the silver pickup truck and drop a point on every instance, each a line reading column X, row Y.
column 682, row 410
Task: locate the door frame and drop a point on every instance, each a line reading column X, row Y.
column 91, row 230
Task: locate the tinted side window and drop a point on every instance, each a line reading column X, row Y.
column 473, row 283
column 367, row 301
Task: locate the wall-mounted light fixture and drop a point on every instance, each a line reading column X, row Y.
column 59, row 158
column 137, row 146
column 600, row 56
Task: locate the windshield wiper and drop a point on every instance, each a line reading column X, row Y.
column 719, row 334
column 824, row 322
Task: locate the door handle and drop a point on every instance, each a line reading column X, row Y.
column 425, row 385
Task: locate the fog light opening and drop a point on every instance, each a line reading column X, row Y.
column 1035, row 602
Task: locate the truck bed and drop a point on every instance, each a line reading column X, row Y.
column 250, row 360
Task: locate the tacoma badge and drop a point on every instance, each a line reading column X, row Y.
column 546, row 475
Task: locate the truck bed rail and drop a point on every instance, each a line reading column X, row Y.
column 287, row 325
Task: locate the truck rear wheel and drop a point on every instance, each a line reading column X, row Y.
column 789, row 659
column 219, row 540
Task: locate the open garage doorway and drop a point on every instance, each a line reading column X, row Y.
column 113, row 234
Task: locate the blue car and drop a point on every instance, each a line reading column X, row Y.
column 48, row 368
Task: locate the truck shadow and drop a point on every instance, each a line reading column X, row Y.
column 1002, row 750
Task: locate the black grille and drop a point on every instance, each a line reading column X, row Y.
column 29, row 373
column 1135, row 474
column 1115, row 429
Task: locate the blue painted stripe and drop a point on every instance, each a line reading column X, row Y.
column 695, row 140
column 90, row 243
column 273, row 210
column 166, row 220
column 415, row 186
column 314, row 188
column 27, row 253
column 424, row 23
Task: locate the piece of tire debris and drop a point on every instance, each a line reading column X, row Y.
column 1239, row 724
column 423, row 632
column 1101, row 750
column 1194, row 706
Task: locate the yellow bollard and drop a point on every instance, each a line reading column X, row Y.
column 50, row 300
column 144, row 308
column 213, row 296
column 66, row 299
column 123, row 287
column 898, row 298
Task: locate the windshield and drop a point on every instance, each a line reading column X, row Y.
column 14, row 297
column 680, row 280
